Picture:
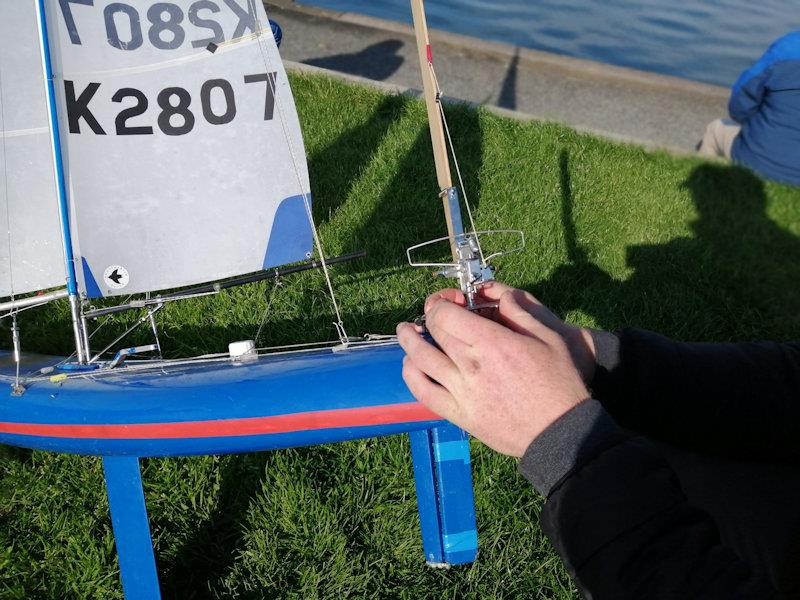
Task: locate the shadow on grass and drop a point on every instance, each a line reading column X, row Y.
column 22, row 455
column 735, row 279
column 410, row 211
column 334, row 169
column 212, row 549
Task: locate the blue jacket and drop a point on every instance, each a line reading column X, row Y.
column 766, row 102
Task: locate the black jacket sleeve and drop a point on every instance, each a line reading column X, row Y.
column 734, row 400
column 617, row 517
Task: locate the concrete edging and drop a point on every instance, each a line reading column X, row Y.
column 393, row 88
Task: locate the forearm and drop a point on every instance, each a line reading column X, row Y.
column 616, row 515
column 737, row 400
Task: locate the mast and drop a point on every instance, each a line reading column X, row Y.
column 63, row 205
column 449, row 194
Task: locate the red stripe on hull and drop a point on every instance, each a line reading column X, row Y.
column 324, row 419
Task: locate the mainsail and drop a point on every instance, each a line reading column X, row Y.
column 31, row 250
column 184, row 157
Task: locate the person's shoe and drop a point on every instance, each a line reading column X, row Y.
column 277, row 32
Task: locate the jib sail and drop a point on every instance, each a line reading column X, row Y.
column 31, row 250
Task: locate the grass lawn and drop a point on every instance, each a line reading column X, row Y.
column 616, row 236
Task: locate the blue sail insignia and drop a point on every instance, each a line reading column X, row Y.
column 291, row 239
column 89, row 282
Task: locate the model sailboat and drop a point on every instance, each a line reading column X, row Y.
column 157, row 147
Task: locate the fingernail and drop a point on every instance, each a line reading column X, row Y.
column 432, row 302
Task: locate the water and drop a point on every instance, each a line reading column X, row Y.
column 705, row 40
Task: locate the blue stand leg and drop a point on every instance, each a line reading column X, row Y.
column 443, row 477
column 427, row 501
column 137, row 564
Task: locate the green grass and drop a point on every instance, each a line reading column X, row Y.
column 616, row 236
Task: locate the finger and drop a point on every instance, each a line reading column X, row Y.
column 449, row 294
column 455, row 348
column 429, row 393
column 450, row 324
column 517, row 317
column 528, row 302
column 492, row 290
column 427, row 357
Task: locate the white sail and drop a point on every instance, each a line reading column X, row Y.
column 183, row 149
column 31, row 248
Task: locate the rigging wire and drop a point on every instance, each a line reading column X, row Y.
column 17, row 357
column 154, row 328
column 271, row 81
column 278, row 283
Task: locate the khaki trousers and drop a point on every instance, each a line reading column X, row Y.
column 718, row 138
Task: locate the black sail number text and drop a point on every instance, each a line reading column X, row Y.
column 178, row 109
column 164, row 24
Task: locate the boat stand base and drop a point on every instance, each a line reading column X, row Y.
column 442, row 475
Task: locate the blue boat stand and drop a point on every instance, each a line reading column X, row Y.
column 442, row 474
column 137, row 564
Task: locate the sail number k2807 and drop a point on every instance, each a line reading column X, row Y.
column 175, row 103
column 164, row 25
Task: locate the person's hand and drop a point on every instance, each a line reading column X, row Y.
column 505, row 385
column 578, row 340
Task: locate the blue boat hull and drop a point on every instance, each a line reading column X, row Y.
column 222, row 406
column 278, row 401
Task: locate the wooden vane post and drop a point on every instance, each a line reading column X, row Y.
column 440, row 154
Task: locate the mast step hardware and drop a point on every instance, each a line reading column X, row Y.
column 472, row 270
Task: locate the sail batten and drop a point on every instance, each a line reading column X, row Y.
column 183, row 149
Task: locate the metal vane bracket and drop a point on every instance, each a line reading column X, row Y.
column 471, row 268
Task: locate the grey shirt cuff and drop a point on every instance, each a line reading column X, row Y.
column 573, row 439
column 606, row 349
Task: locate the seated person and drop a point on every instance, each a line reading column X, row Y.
column 677, row 476
column 764, row 130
